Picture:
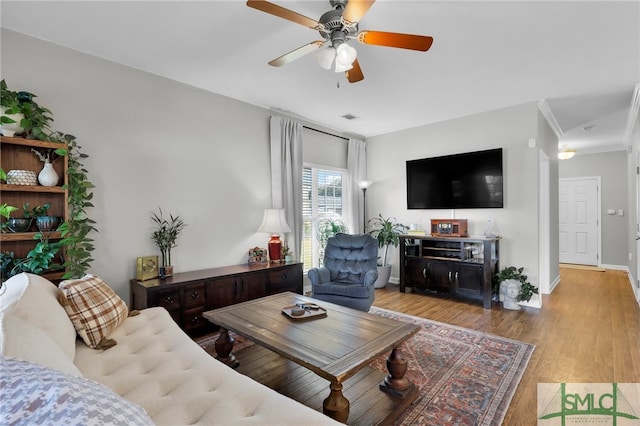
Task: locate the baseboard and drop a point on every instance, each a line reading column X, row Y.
column 554, row 284
column 394, row 281
column 616, row 267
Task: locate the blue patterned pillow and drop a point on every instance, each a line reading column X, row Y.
column 33, row 394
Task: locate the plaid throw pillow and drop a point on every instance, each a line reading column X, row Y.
column 94, row 309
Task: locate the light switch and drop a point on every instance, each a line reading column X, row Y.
column 620, row 212
column 611, row 211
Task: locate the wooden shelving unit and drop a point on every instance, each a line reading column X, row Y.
column 16, row 154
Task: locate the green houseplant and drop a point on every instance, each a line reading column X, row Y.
column 511, row 273
column 387, row 231
column 165, row 236
column 327, row 228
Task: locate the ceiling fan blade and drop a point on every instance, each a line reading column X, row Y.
column 403, row 41
column 296, row 53
column 355, row 10
column 354, row 75
column 284, row 13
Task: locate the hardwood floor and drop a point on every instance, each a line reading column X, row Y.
column 588, row 330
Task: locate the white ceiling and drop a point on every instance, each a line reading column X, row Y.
column 582, row 57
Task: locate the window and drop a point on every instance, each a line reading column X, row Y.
column 321, row 199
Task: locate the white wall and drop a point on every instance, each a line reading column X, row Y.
column 633, row 203
column 612, row 169
column 152, row 143
column 508, row 128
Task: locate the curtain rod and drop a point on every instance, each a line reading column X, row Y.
column 326, row 133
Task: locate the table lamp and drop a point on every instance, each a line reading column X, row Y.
column 274, row 222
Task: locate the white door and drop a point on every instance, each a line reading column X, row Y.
column 579, row 232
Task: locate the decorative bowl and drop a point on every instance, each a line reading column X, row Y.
column 47, row 223
column 19, row 224
column 21, row 177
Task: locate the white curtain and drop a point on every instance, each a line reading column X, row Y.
column 356, row 172
column 286, row 176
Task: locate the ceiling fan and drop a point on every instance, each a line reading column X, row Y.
column 336, row 27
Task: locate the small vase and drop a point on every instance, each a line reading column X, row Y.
column 48, row 175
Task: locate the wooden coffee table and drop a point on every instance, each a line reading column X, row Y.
column 336, row 347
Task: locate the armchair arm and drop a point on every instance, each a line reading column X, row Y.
column 370, row 277
column 319, row 275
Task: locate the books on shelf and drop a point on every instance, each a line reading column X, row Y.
column 416, row 232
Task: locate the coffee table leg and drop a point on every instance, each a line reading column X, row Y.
column 336, row 405
column 395, row 383
column 224, row 346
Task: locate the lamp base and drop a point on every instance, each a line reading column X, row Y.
column 275, row 248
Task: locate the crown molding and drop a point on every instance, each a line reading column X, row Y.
column 545, row 109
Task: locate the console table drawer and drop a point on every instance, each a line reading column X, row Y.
column 285, row 279
column 193, row 319
column 194, row 295
column 168, row 299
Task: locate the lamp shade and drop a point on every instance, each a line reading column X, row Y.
column 274, row 222
column 325, row 57
column 364, row 184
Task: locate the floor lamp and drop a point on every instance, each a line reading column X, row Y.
column 364, row 185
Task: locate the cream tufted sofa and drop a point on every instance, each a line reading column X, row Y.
column 154, row 365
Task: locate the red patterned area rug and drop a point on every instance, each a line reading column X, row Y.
column 465, row 377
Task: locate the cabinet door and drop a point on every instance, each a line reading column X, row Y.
column 221, row 292
column 251, row 286
column 440, row 274
column 468, row 282
column 285, row 279
column 415, row 272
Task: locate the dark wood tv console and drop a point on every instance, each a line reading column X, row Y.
column 458, row 267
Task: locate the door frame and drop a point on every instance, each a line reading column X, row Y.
column 544, row 225
column 598, row 213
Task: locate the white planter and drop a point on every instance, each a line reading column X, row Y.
column 509, row 290
column 11, row 129
column 384, row 272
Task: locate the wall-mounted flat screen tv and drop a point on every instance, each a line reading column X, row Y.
column 469, row 180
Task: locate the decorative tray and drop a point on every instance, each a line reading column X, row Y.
column 304, row 311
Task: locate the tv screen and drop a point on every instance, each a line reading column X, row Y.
column 470, row 180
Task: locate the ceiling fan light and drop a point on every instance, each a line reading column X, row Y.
column 325, row 57
column 345, row 54
column 566, row 153
column 341, row 67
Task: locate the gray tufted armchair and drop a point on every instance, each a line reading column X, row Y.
column 349, row 271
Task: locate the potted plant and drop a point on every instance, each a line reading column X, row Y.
column 286, row 252
column 21, row 114
column 165, row 236
column 327, row 228
column 11, row 110
column 44, row 222
column 513, row 286
column 387, row 232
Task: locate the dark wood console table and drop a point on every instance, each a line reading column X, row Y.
column 186, row 295
column 461, row 267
